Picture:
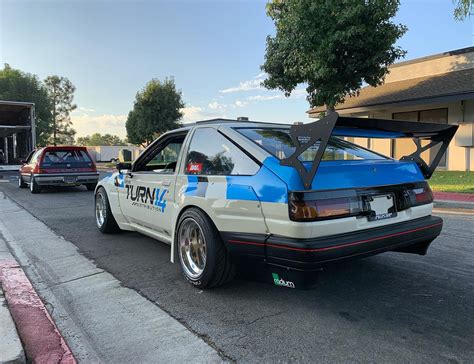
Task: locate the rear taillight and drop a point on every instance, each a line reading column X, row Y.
column 324, row 205
column 420, row 195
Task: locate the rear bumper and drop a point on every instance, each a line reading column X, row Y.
column 69, row 179
column 309, row 254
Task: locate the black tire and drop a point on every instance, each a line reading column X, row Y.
column 21, row 183
column 34, row 188
column 91, row 186
column 219, row 269
column 109, row 225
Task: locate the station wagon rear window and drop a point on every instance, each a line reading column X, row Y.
column 278, row 142
column 66, row 158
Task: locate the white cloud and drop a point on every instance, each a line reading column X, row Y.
column 85, row 109
column 261, row 75
column 265, row 97
column 106, row 123
column 296, row 94
column 195, row 113
column 244, row 86
column 249, row 85
column 240, row 103
column 214, row 105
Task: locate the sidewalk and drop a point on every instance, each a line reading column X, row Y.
column 23, row 315
column 101, row 320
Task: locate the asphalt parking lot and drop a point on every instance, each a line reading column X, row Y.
column 393, row 307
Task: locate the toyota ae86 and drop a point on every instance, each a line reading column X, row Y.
column 277, row 201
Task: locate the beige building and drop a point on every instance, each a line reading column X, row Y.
column 437, row 88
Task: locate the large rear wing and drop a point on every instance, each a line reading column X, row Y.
column 318, row 133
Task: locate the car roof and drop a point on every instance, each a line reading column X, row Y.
column 232, row 123
column 64, row 147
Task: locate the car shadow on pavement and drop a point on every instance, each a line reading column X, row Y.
column 65, row 189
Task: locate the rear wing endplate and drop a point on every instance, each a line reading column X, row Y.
column 318, row 133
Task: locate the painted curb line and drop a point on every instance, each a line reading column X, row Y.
column 42, row 339
column 454, row 197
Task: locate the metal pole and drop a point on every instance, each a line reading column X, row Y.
column 33, row 128
column 6, row 149
column 14, row 145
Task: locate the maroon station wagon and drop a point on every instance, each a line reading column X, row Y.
column 58, row 166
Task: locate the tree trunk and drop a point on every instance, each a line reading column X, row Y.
column 54, row 121
column 330, row 109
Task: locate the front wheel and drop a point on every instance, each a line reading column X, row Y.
column 203, row 256
column 103, row 214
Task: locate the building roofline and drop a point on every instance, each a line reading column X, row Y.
column 405, row 102
column 434, row 56
column 16, row 103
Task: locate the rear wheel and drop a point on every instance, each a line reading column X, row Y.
column 91, row 186
column 21, row 183
column 103, row 214
column 202, row 254
column 34, row 188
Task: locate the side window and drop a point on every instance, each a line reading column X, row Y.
column 34, row 157
column 28, row 159
column 164, row 159
column 210, row 153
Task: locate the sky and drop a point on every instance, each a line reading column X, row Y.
column 213, row 49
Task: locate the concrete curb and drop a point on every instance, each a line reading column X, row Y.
column 11, row 350
column 454, row 205
column 42, row 339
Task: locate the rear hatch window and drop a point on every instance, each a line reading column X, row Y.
column 278, row 142
column 64, row 159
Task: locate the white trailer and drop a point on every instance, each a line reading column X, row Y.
column 107, row 153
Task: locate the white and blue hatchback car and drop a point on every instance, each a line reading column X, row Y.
column 277, row 201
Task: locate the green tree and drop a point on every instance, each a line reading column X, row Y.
column 16, row 85
column 84, row 141
column 99, row 139
column 61, row 93
column 332, row 47
column 157, row 109
column 463, row 9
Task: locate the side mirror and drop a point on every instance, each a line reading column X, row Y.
column 123, row 165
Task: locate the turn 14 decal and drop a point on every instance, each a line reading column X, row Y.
column 146, row 197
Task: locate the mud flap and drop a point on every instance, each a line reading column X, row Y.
column 282, row 277
column 419, row 248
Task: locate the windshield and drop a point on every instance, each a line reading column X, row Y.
column 278, row 143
